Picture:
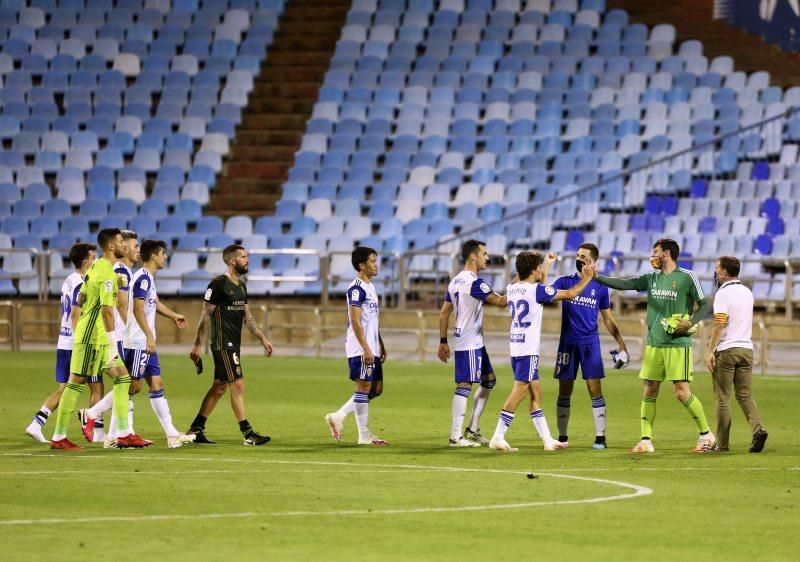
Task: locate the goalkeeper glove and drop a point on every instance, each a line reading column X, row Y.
column 670, row 324
column 621, row 359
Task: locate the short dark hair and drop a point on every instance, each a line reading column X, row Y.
column 593, row 251
column 228, row 252
column 79, row 252
column 669, row 245
column 151, row 247
column 129, row 235
column 527, row 262
column 730, row 264
column 470, row 247
column 107, row 235
column 360, row 255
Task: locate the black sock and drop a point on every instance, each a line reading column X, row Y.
column 199, row 423
column 245, row 427
column 563, row 439
column 599, row 438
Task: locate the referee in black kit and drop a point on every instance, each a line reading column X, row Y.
column 225, row 308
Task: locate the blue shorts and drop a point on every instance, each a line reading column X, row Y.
column 526, row 368
column 586, row 356
column 142, row 364
column 361, row 372
column 63, row 358
column 472, row 364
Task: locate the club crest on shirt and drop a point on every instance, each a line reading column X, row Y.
column 674, row 285
column 593, row 292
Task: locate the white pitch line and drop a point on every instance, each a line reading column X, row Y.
column 405, row 466
column 637, row 491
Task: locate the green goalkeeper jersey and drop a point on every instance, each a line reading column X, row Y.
column 673, row 293
column 99, row 289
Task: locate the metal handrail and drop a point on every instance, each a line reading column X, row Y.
column 530, row 209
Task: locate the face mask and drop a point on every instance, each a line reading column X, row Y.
column 579, row 265
column 655, row 261
column 716, row 280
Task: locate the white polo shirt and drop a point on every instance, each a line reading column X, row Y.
column 734, row 302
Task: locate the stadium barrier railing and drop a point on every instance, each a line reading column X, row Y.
column 684, row 173
column 318, row 332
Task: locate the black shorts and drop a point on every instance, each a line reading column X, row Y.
column 227, row 365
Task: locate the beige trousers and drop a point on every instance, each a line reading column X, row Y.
column 734, row 368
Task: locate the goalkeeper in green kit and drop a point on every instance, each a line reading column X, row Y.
column 672, row 293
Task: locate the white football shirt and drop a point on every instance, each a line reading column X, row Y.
column 736, row 301
column 364, row 296
column 525, row 302
column 69, row 293
column 467, row 292
column 143, row 288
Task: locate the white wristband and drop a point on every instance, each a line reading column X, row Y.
column 112, row 339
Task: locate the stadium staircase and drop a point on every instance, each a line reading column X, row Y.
column 279, row 107
column 693, row 20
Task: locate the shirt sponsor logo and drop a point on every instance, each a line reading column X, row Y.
column 664, row 294
column 585, row 301
column 517, row 337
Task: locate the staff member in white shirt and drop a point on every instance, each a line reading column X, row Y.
column 730, row 353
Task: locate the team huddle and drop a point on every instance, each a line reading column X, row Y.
column 108, row 328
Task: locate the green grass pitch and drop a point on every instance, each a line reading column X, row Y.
column 304, row 497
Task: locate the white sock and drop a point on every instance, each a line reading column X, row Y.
column 103, row 405
column 99, row 432
column 478, row 404
column 130, row 415
column 40, row 417
column 459, row 410
column 161, row 408
column 599, row 413
column 346, row 409
column 540, row 423
column 361, row 408
column 503, row 423
column 112, row 426
column 562, row 414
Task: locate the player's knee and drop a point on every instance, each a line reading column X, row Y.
column 136, row 386
column 489, row 384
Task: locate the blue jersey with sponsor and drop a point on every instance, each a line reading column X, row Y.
column 579, row 315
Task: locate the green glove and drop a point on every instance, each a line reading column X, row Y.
column 671, row 323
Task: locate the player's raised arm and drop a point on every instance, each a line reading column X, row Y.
column 587, row 273
column 549, row 260
column 444, row 322
column 252, row 326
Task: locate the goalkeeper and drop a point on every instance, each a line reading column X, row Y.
column 672, row 293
